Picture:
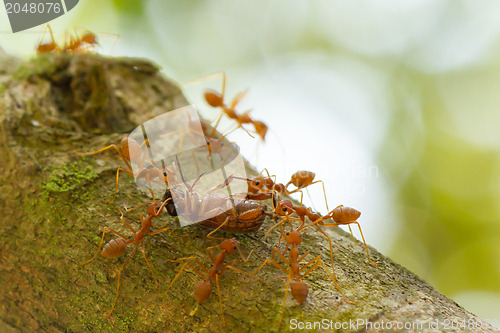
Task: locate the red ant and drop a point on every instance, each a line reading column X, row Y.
column 131, row 151
column 342, row 216
column 216, row 100
column 76, row 44
column 85, row 44
column 301, row 179
column 117, row 246
column 203, row 288
column 299, row 288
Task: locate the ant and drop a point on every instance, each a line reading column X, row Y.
column 117, row 246
column 216, row 100
column 85, row 44
column 203, row 288
column 301, row 179
column 131, row 151
column 216, row 146
column 285, row 208
column 76, row 44
column 342, row 216
column 299, row 288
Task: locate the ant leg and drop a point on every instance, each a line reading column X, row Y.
column 182, row 268
column 362, row 236
column 150, row 187
column 43, row 34
column 131, row 209
column 329, row 243
column 241, row 255
column 195, row 261
column 235, row 269
column 220, row 298
column 100, row 244
column 125, row 222
column 117, row 177
column 284, row 299
column 207, row 78
column 366, row 247
column 175, row 278
column 118, row 283
column 237, row 99
column 214, row 128
column 162, row 230
column 315, row 263
column 210, row 253
column 106, row 148
column 267, row 261
column 212, row 232
column 274, row 226
column 147, row 262
column 302, row 257
column 324, row 193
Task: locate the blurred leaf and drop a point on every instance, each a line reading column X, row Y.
column 130, row 7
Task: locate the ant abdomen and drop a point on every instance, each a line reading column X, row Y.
column 202, row 291
column 114, row 248
column 302, row 178
column 299, row 291
column 345, row 214
column 131, row 149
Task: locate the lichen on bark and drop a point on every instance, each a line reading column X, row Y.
column 53, row 208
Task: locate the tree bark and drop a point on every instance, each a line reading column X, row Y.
column 53, row 209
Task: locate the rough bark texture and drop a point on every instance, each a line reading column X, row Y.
column 53, row 209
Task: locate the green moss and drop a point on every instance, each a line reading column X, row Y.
column 38, row 65
column 69, row 177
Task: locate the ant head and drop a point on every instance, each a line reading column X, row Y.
column 284, row 208
column 214, row 98
column 229, row 245
column 258, row 182
column 90, row 38
column 260, row 128
column 154, row 209
column 293, row 237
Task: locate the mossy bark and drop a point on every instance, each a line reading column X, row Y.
column 53, row 210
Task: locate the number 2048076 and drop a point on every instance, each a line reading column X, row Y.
column 33, row 8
